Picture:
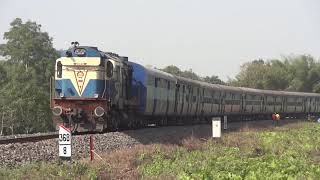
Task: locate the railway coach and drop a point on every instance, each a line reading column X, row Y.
column 97, row 91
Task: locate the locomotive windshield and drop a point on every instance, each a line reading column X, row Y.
column 109, row 69
column 80, row 52
column 59, row 69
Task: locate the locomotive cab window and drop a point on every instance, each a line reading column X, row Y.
column 109, row 69
column 59, row 69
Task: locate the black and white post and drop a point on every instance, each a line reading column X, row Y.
column 64, row 143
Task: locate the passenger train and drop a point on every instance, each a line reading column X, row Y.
column 98, row 91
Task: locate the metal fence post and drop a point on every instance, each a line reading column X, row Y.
column 225, row 122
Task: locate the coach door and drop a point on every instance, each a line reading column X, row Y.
column 118, row 86
column 124, row 79
column 155, row 94
column 177, row 98
column 127, row 82
column 168, row 99
column 197, row 100
column 183, row 99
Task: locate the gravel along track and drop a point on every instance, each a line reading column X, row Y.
column 47, row 150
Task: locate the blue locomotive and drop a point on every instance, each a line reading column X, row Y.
column 97, row 91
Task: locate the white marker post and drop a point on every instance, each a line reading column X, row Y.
column 216, row 127
column 64, row 143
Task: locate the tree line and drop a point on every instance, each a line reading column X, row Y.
column 299, row 73
column 28, row 64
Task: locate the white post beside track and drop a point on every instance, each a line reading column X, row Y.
column 64, row 143
column 225, row 122
column 216, row 127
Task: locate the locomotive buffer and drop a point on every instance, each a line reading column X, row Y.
column 64, row 143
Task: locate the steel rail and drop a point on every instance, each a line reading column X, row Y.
column 45, row 136
column 26, row 139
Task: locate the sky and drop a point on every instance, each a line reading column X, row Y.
column 211, row 37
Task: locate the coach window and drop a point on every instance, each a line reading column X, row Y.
column 59, row 69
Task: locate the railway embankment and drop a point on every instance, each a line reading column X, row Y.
column 257, row 150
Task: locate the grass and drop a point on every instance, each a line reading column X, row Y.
column 54, row 170
column 288, row 152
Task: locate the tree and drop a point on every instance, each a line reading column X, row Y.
column 293, row 73
column 3, row 74
column 24, row 91
column 27, row 44
column 303, row 72
column 251, row 75
column 213, row 80
column 191, row 75
column 172, row 70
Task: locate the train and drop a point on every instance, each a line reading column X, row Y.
column 101, row 91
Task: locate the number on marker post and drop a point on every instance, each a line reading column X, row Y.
column 64, row 142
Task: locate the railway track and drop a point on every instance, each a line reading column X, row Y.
column 44, row 147
column 28, row 138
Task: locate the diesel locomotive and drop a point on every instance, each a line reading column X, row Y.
column 97, row 91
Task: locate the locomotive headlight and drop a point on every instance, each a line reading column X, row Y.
column 99, row 111
column 61, row 94
column 96, row 95
column 80, row 52
column 57, row 111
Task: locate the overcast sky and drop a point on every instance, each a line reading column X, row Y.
column 211, row 37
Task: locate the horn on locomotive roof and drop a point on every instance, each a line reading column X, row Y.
column 75, row 44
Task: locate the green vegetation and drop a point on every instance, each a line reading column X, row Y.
column 285, row 153
column 56, row 170
column 288, row 152
column 293, row 73
column 24, row 79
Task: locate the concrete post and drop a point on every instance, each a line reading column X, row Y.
column 216, row 127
